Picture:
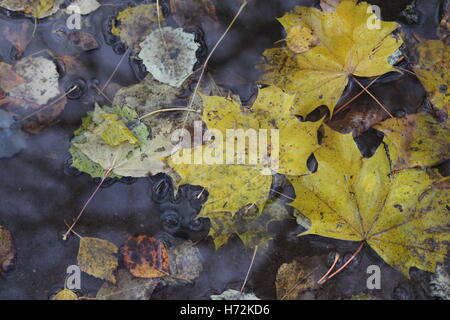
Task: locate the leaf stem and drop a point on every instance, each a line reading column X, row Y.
column 165, row 110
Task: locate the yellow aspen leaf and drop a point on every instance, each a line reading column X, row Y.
column 347, row 47
column 65, row 294
column 97, row 257
column 432, row 71
column 418, row 140
column 403, row 217
column 113, row 131
column 301, row 39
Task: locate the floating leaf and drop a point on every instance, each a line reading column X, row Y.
column 418, row 140
column 7, row 250
column 83, row 6
column 403, row 217
column 146, row 257
column 42, row 80
column 33, row 8
column 169, row 55
column 432, row 71
column 97, row 257
column 65, row 294
column 346, row 46
column 114, row 138
column 135, row 23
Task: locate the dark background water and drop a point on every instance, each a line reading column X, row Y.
column 37, row 193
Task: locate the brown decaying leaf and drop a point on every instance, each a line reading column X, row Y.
column 192, row 12
column 146, row 257
column 97, row 257
column 7, row 250
column 8, row 78
column 20, row 38
column 83, row 40
column 299, row 276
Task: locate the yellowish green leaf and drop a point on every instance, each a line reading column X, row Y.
column 97, row 257
column 65, row 294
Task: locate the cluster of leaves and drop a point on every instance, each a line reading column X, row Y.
column 391, row 201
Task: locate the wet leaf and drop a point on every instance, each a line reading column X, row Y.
column 33, row 8
column 250, row 229
column 127, row 288
column 97, row 257
column 65, row 294
column 146, row 257
column 231, row 294
column 41, row 81
column 83, row 40
column 418, row 140
column 346, row 47
column 12, row 139
column 169, row 55
column 19, row 38
column 329, row 5
column 440, row 283
column 402, row 216
column 114, row 138
column 83, row 6
column 7, row 250
column 192, row 12
column 135, row 23
column 297, row 141
column 301, row 275
column 432, row 71
column 9, row 79
column 184, row 261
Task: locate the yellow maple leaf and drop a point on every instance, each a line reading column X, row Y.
column 403, row 217
column 418, row 140
column 346, row 47
column 432, row 71
column 297, row 140
column 97, row 257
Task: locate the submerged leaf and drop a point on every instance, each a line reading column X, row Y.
column 169, row 55
column 33, row 8
column 184, row 260
column 135, row 23
column 418, row 140
column 97, row 257
column 432, row 71
column 12, row 139
column 403, row 217
column 127, row 288
column 346, row 46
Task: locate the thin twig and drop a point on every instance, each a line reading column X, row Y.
column 165, row 110
column 115, row 69
column 373, row 97
column 249, row 269
column 87, row 203
column 341, row 108
column 336, row 259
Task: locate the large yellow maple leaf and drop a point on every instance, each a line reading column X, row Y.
column 403, row 217
column 432, row 71
column 234, row 185
column 342, row 45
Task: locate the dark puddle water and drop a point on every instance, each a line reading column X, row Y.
column 37, row 194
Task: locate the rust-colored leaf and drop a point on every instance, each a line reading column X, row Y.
column 19, row 37
column 8, row 78
column 146, row 257
column 7, row 251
